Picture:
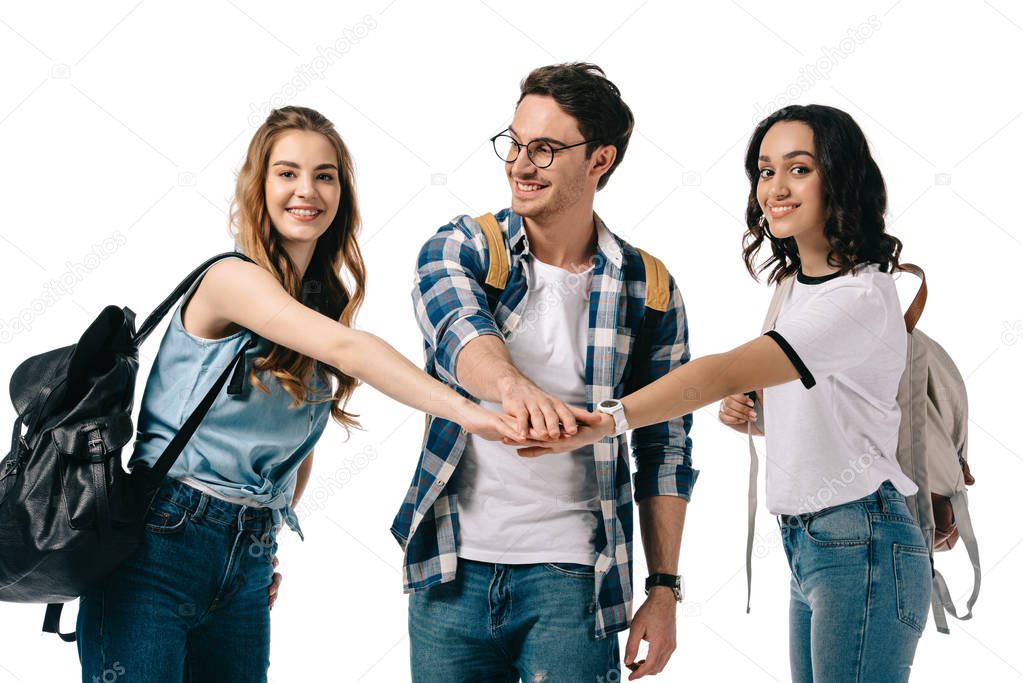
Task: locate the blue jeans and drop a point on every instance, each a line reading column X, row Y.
column 861, row 588
column 503, row 622
column 191, row 604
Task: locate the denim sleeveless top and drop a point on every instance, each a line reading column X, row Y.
column 249, row 446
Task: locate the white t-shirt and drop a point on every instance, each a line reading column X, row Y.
column 832, row 435
column 517, row 510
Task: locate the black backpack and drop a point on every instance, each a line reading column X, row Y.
column 69, row 512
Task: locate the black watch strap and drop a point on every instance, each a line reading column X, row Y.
column 671, row 581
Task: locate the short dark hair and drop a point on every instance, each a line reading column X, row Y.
column 584, row 92
column 853, row 191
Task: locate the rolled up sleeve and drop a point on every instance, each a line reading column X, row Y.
column 450, row 302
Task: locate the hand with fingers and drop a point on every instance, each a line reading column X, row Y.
column 655, row 623
column 595, row 426
column 275, row 584
column 737, row 411
column 538, row 415
column 489, row 424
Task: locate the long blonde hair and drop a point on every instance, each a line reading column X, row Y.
column 322, row 287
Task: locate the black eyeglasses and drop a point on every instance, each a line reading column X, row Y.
column 540, row 152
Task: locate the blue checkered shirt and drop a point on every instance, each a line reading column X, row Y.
column 453, row 306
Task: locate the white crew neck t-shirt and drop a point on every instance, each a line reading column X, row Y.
column 516, row 510
column 832, row 435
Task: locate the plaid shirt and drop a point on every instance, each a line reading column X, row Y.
column 453, row 307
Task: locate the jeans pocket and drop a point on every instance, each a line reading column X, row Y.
column 166, row 517
column 842, row 525
column 577, row 571
column 912, row 584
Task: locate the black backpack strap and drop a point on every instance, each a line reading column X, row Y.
column 161, row 311
column 16, row 438
column 98, row 470
column 51, row 622
column 177, row 444
column 237, row 384
column 235, row 370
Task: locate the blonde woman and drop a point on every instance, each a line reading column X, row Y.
column 193, row 603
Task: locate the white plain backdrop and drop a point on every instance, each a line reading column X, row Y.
column 122, row 127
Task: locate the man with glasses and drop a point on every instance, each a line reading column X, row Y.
column 519, row 566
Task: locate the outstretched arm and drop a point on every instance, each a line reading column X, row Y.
column 756, row 364
column 245, row 294
column 759, row 363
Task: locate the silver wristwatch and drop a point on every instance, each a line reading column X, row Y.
column 616, row 410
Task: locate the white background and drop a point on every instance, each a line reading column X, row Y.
column 126, row 123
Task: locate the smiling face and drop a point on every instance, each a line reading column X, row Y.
column 789, row 190
column 302, row 188
column 540, row 193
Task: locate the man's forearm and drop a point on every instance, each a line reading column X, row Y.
column 661, row 519
column 484, row 366
column 485, row 370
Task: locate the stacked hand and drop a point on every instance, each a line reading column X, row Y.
column 549, row 425
column 595, row 427
column 538, row 415
column 488, row 424
column 535, row 421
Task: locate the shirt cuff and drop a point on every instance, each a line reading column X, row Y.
column 804, row 372
column 665, row 480
column 459, row 333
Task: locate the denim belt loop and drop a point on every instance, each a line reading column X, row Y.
column 242, row 509
column 881, row 498
column 200, row 509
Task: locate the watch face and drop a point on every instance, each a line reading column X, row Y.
column 608, row 403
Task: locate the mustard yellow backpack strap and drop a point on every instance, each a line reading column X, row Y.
column 656, row 282
column 497, row 273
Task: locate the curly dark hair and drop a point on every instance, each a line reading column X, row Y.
column 854, row 197
column 585, row 93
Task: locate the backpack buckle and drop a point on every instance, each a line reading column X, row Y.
column 9, row 466
column 97, row 447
